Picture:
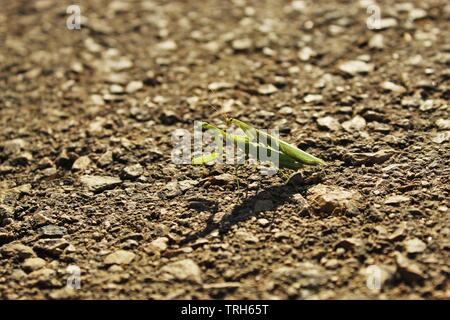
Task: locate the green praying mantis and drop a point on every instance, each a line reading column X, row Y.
column 288, row 156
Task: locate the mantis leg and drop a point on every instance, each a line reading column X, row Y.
column 236, row 174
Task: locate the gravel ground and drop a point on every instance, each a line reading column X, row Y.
column 88, row 190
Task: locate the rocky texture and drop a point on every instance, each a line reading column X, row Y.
column 119, row 257
column 99, row 183
column 185, row 270
column 331, row 200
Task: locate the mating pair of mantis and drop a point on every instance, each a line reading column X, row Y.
column 288, row 156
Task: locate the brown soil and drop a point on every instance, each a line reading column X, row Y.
column 382, row 198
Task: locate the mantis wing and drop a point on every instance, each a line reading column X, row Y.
column 288, row 149
column 205, row 158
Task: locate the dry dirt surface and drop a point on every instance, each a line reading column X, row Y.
column 88, row 190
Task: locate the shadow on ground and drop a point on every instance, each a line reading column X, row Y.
column 278, row 194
